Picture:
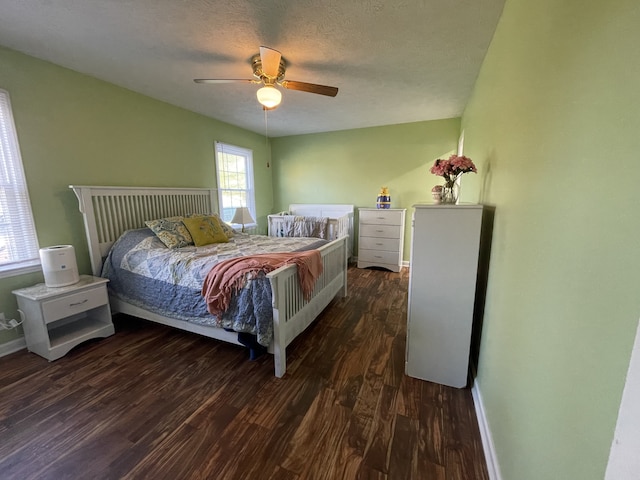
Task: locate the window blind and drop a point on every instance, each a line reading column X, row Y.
column 234, row 169
column 18, row 240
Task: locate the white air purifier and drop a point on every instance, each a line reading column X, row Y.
column 59, row 265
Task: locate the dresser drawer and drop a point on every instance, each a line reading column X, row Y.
column 53, row 310
column 380, row 231
column 387, row 244
column 378, row 256
column 382, row 217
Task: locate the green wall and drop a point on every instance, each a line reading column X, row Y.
column 553, row 125
column 74, row 129
column 350, row 166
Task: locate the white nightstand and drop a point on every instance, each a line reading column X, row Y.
column 58, row 319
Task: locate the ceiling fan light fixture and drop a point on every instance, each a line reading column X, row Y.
column 269, row 96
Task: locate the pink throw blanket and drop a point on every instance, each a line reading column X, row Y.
column 229, row 276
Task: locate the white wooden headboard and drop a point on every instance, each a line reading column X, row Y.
column 320, row 210
column 109, row 211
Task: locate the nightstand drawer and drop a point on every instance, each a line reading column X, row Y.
column 378, row 256
column 68, row 305
column 380, row 231
column 387, row 244
column 382, row 217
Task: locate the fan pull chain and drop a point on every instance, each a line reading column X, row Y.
column 266, row 126
column 266, row 134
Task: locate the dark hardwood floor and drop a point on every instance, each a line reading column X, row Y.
column 153, row 402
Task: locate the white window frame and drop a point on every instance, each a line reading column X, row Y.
column 19, row 251
column 230, row 198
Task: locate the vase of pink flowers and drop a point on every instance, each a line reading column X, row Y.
column 451, row 169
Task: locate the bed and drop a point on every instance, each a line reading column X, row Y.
column 108, row 212
column 329, row 221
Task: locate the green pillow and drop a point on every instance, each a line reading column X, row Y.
column 205, row 230
column 171, row 231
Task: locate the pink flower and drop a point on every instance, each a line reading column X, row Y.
column 453, row 167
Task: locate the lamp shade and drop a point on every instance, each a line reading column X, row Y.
column 269, row 96
column 242, row 216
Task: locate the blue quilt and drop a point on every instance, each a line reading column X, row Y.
column 144, row 272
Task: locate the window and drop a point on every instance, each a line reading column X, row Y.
column 234, row 168
column 18, row 241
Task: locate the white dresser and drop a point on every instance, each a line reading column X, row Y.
column 445, row 250
column 381, row 238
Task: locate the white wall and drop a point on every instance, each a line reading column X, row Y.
column 624, row 458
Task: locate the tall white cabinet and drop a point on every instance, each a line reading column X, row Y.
column 442, row 290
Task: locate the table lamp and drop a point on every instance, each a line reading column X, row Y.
column 242, row 215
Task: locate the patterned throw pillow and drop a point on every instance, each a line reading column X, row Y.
column 205, row 230
column 228, row 231
column 171, row 231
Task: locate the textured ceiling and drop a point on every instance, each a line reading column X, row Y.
column 393, row 61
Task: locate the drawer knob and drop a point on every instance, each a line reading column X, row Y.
column 78, row 303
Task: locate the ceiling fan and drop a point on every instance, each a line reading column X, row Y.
column 269, row 69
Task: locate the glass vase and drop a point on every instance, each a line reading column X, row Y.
column 450, row 193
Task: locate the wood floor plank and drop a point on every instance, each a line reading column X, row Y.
column 322, row 424
column 327, row 463
column 379, row 450
column 263, row 411
column 361, row 425
column 280, row 473
column 403, row 455
column 365, row 472
column 102, row 447
column 155, row 402
column 462, row 436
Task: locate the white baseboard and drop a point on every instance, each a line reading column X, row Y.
column 485, row 433
column 12, row 346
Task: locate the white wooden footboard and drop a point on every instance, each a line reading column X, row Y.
column 292, row 314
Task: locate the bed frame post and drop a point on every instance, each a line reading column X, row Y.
column 280, row 313
column 347, row 255
column 279, row 330
column 90, row 227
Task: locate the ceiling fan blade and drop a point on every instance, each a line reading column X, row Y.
column 270, row 59
column 310, row 87
column 223, row 80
